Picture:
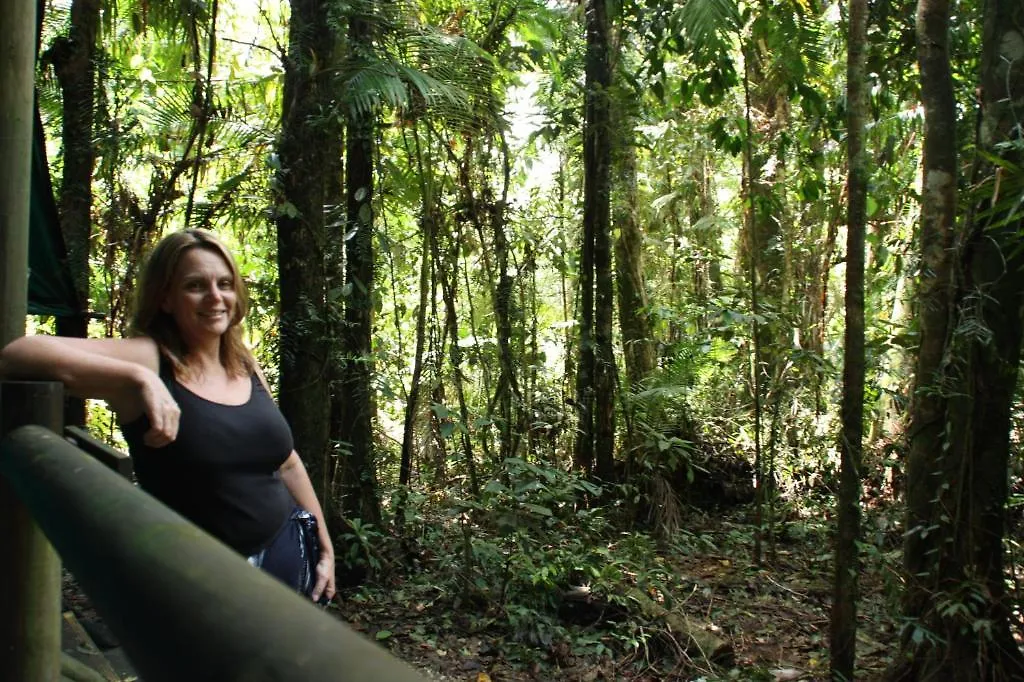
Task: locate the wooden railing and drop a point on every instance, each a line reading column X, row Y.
column 184, row 606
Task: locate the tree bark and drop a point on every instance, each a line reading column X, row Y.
column 935, row 296
column 449, row 280
column 994, row 263
column 354, row 403
column 597, row 229
column 843, row 634
column 634, row 320
column 309, row 179
column 961, row 417
column 73, row 59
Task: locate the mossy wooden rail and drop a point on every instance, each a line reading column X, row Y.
column 185, row 606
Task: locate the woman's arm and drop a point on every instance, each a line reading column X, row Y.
column 123, row 372
column 293, row 473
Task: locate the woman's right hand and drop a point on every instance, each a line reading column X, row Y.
column 123, row 372
column 161, row 409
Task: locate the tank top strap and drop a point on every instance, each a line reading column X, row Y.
column 166, row 369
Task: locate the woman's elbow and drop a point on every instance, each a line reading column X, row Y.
column 27, row 357
column 10, row 358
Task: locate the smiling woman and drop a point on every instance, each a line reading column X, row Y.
column 204, row 433
column 183, row 268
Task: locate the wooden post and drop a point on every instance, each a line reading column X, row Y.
column 30, row 569
column 30, row 575
column 17, row 66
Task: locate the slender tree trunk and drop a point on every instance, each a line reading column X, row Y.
column 707, row 271
column 508, row 381
column 757, row 366
column 427, row 229
column 357, row 476
column 847, row 565
column 634, row 320
column 597, row 228
column 73, row 59
column 310, row 155
column 449, row 285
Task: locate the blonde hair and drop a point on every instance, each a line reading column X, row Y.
column 150, row 319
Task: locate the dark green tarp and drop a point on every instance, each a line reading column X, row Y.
column 50, row 289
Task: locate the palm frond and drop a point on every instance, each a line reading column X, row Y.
column 372, row 86
column 171, row 110
column 167, row 18
column 710, row 23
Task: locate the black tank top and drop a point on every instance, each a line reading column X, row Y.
column 221, row 470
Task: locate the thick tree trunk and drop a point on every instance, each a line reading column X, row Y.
column 935, row 296
column 310, row 157
column 583, row 448
column 961, row 418
column 994, row 263
column 73, row 58
column 843, row 635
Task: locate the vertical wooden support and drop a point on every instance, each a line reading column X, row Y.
column 30, row 575
column 17, row 67
column 29, row 568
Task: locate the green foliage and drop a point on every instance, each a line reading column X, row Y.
column 362, row 542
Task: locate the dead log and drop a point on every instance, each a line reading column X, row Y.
column 580, row 605
column 697, row 640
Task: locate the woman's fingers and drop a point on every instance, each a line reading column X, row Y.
column 324, row 580
column 318, row 588
column 163, row 414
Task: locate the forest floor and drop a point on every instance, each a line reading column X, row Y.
column 774, row 616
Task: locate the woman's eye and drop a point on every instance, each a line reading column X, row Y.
column 225, row 284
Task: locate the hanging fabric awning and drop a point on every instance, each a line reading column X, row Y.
column 51, row 290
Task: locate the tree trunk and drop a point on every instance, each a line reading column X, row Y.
column 412, row 405
column 73, row 59
column 994, row 264
column 309, row 179
column 707, row 269
column 449, row 274
column 843, row 635
column 508, row 381
column 935, row 296
column 634, row 320
column 961, row 416
column 354, row 403
column 597, row 229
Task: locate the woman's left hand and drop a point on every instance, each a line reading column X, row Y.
column 324, row 578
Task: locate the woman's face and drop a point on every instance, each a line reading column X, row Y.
column 202, row 296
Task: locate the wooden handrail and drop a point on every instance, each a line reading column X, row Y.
column 185, row 606
column 112, row 458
